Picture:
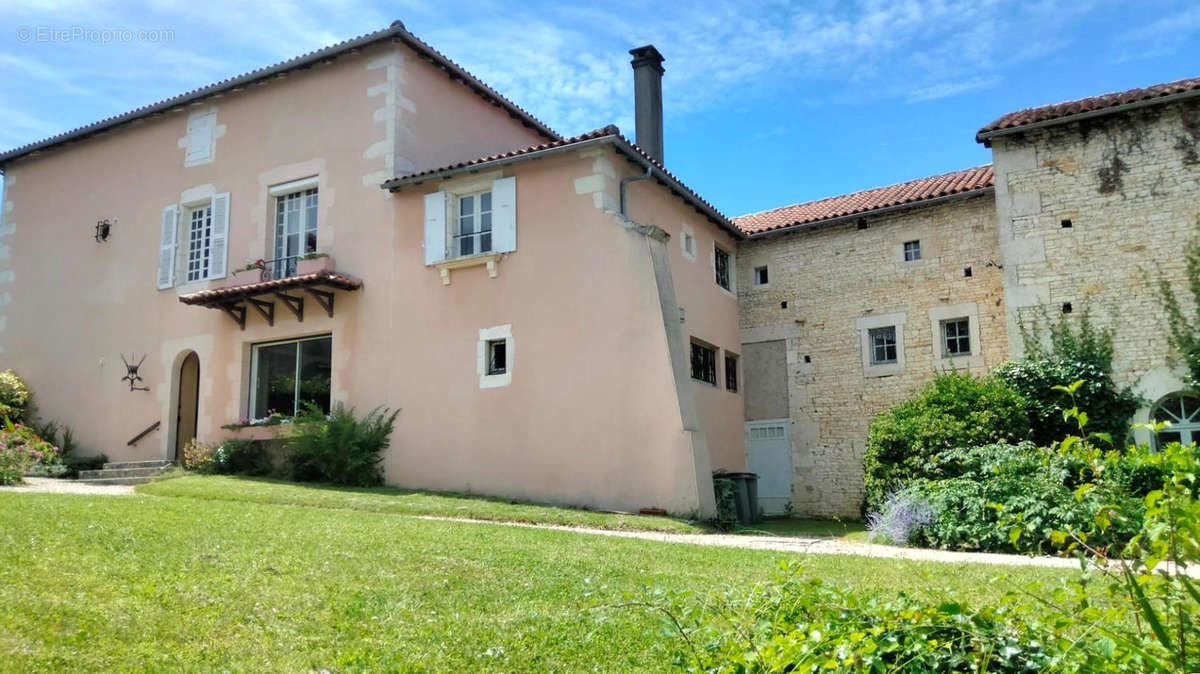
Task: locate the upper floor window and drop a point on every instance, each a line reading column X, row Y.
column 704, row 363
column 721, row 267
column 731, row 372
column 956, row 337
column 761, row 276
column 883, row 345
column 912, row 251
column 295, row 229
column 473, row 233
column 199, row 242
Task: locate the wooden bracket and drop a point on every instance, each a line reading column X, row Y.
column 267, row 309
column 237, row 312
column 324, row 298
column 294, row 304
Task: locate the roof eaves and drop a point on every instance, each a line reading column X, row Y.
column 986, row 134
column 396, row 31
column 874, row 212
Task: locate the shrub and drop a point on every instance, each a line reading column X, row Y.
column 240, row 456
column 339, row 448
column 725, row 493
column 903, row 515
column 797, row 625
column 69, row 462
column 14, row 396
column 20, row 450
column 954, row 410
column 198, row 456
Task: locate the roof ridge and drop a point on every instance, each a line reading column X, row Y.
column 863, row 191
column 395, row 30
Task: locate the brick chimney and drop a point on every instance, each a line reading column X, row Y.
column 647, row 99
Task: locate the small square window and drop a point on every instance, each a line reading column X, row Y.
column 704, row 363
column 956, row 337
column 912, row 251
column 761, row 276
column 497, row 356
column 883, row 345
column 731, row 373
column 721, row 267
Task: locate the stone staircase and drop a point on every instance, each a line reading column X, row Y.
column 125, row 472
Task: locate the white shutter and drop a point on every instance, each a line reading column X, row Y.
column 218, row 249
column 435, row 227
column 200, row 136
column 504, row 215
column 166, row 247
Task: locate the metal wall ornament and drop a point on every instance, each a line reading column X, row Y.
column 131, row 373
column 103, row 229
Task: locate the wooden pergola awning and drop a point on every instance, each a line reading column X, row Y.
column 291, row 291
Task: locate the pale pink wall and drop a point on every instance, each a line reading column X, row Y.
column 711, row 313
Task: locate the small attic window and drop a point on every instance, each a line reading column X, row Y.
column 1066, row 223
column 861, row 223
column 1066, row 308
column 967, row 272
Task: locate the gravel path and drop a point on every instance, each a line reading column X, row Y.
column 50, row 485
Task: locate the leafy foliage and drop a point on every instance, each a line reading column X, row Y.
column 14, row 396
column 954, row 410
column 21, row 450
column 725, row 492
column 340, row 448
column 1069, row 354
column 240, row 456
column 797, row 625
column 1183, row 332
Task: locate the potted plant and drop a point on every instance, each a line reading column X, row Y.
column 314, row 262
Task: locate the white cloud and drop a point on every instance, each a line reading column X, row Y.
column 947, row 89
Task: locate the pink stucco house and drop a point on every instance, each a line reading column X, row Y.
column 555, row 317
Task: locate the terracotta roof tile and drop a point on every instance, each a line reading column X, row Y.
column 1092, row 103
column 610, row 133
column 239, row 292
column 396, row 31
column 866, row 201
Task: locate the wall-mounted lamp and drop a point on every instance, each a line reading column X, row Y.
column 103, row 229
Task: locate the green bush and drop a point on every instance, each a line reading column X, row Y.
column 725, row 493
column 954, row 410
column 238, row 456
column 797, row 625
column 21, row 449
column 14, row 396
column 339, row 448
column 1034, row 378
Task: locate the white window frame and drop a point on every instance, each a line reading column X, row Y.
column 301, row 190
column 452, row 229
column 916, row 248
column 945, row 327
column 1187, row 428
column 754, row 276
column 486, row 336
column 254, row 361
column 864, row 326
column 938, row 317
column 687, row 241
column 204, row 256
column 871, row 334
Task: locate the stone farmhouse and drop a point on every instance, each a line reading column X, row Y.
column 342, row 227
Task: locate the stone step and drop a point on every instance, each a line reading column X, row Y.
column 122, row 472
column 118, row 480
column 119, row 465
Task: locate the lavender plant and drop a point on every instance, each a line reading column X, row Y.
column 903, row 513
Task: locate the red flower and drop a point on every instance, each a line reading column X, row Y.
column 260, row 262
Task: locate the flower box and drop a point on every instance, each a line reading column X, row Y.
column 313, row 265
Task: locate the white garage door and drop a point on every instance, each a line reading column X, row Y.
column 769, row 454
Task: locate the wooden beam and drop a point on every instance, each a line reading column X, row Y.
column 267, row 309
column 237, row 312
column 294, row 304
column 324, row 298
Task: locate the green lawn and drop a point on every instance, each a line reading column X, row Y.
column 91, row 583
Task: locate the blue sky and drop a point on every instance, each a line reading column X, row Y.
column 766, row 103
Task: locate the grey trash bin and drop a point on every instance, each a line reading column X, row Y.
column 748, row 511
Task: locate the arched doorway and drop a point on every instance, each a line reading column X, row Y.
column 187, row 403
column 1182, row 410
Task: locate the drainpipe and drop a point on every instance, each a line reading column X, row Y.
column 632, row 179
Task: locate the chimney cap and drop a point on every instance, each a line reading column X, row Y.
column 647, row 55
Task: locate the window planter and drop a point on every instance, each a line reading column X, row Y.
column 260, row 432
column 314, row 265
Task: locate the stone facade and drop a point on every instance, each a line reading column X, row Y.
column 1128, row 185
column 1085, row 217
column 838, row 282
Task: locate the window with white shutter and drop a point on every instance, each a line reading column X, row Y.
column 435, row 227
column 167, row 245
column 200, row 130
column 471, row 224
column 504, row 215
column 218, row 249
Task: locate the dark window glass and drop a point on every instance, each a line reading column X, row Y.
column 760, row 276
column 704, row 363
column 721, row 262
column 497, row 355
column 731, row 377
column 912, row 251
column 883, row 345
column 958, row 339
column 291, row 374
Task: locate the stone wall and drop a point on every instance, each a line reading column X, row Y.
column 838, row 281
column 1129, row 185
